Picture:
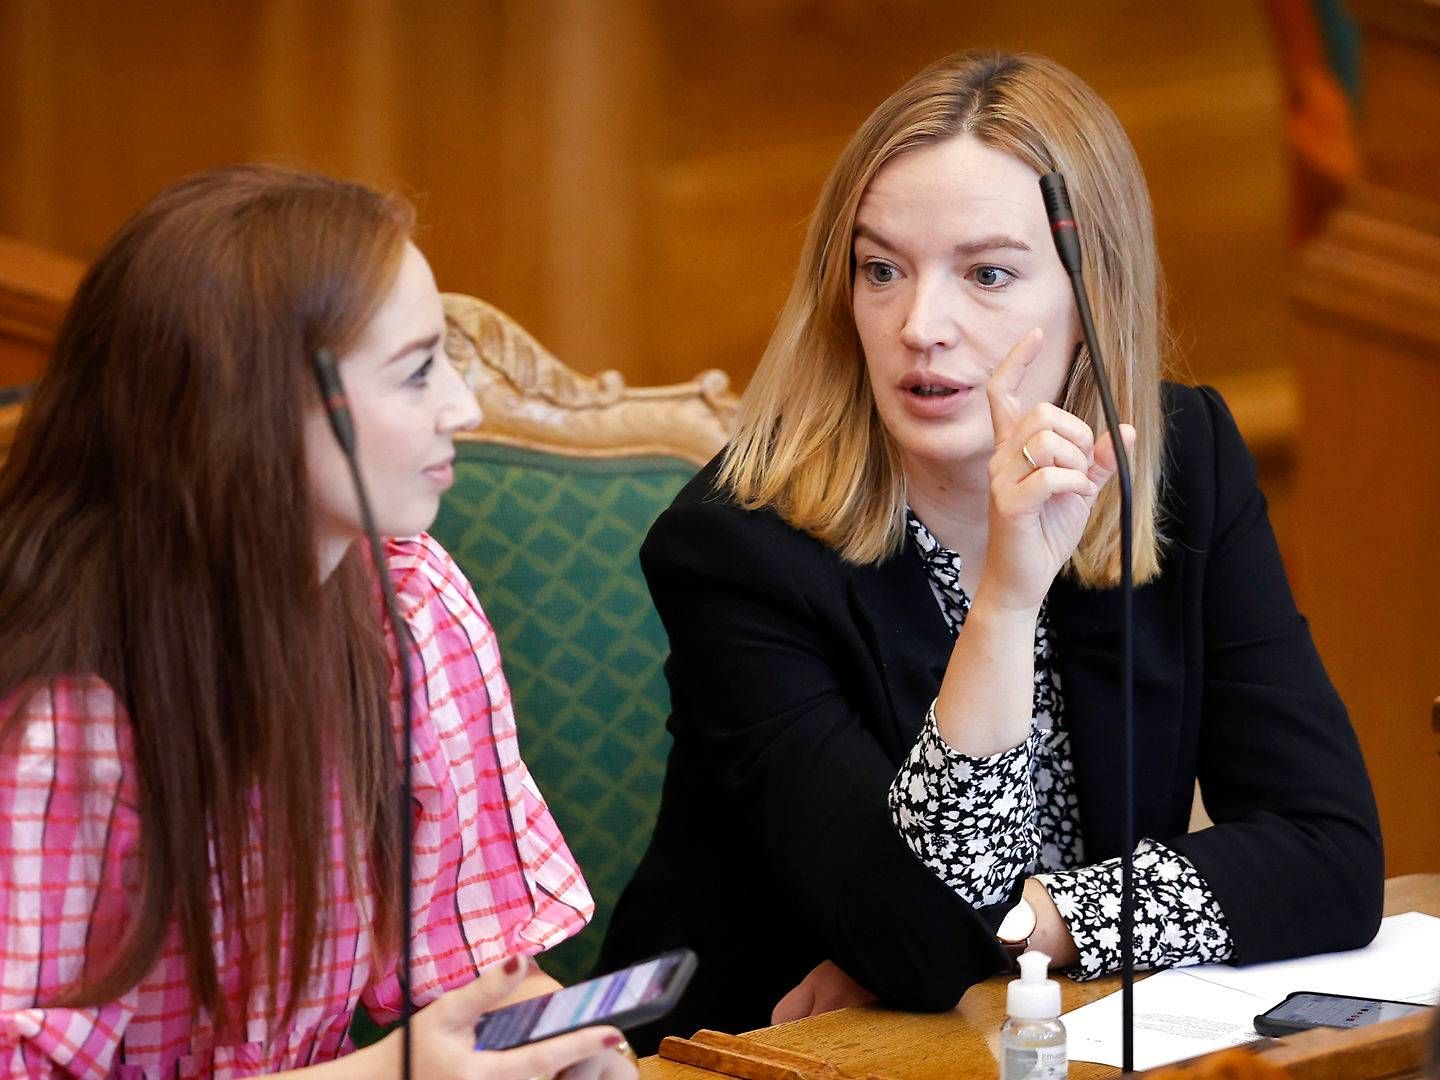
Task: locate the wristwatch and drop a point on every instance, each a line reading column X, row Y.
column 1015, row 930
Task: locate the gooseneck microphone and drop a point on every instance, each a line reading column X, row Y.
column 337, row 409
column 1067, row 244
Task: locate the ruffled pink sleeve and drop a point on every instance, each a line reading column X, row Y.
column 69, row 820
column 493, row 875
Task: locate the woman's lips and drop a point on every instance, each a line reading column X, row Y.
column 931, row 400
column 443, row 474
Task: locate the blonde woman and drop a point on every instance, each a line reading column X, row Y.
column 894, row 626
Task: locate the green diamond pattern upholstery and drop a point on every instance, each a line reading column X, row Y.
column 550, row 543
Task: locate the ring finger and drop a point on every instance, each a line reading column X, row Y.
column 1046, row 447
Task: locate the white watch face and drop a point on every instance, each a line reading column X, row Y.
column 1018, row 924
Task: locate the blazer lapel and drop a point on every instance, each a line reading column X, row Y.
column 896, row 611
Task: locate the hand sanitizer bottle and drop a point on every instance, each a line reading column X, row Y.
column 1032, row 1042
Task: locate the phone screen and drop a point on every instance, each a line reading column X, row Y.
column 631, row 995
column 1330, row 1010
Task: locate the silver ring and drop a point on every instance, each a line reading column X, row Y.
column 1025, row 452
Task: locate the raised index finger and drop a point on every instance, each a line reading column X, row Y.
column 1004, row 386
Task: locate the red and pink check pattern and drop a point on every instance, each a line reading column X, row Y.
column 492, row 874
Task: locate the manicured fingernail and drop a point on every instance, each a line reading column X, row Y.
column 612, row 1041
column 512, row 965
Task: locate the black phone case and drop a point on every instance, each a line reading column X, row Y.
column 627, row 1018
column 1265, row 1024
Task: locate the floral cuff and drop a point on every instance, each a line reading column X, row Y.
column 1178, row 921
column 970, row 820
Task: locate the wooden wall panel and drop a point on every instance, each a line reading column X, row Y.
column 1368, row 506
column 629, row 178
column 35, row 288
column 1402, row 109
column 761, row 96
column 1367, row 493
column 112, row 103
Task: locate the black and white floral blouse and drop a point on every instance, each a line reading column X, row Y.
column 980, row 824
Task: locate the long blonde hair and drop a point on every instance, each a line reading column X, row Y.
column 809, row 441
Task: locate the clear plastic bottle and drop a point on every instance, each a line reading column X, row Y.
column 1032, row 1042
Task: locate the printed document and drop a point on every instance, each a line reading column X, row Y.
column 1185, row 1012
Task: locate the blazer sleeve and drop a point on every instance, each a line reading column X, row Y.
column 759, row 690
column 1295, row 856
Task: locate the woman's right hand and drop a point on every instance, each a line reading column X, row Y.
column 825, row 989
column 1038, row 512
column 443, row 1037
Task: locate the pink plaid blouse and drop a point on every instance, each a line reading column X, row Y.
column 492, row 874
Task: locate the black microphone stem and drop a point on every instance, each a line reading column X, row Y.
column 332, row 393
column 1067, row 245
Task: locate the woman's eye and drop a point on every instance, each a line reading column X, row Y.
column 879, row 273
column 420, row 374
column 993, row 277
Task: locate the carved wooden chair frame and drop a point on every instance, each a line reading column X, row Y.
column 530, row 399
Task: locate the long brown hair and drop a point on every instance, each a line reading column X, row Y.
column 809, row 441
column 156, row 532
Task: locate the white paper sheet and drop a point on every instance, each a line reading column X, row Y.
column 1176, row 1017
column 1402, row 964
column 1189, row 1011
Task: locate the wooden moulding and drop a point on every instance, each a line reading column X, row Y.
column 1396, row 1048
column 746, row 1059
column 9, row 421
column 1413, row 20
column 1376, row 266
column 35, row 287
column 1401, row 50
column 532, row 400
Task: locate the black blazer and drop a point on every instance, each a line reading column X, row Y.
column 799, row 683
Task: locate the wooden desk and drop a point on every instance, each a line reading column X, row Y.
column 963, row 1043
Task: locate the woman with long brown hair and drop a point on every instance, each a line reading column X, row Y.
column 199, row 754
column 893, row 619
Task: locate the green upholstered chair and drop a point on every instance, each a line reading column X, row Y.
column 554, row 492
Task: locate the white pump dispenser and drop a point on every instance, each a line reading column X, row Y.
column 1032, row 1042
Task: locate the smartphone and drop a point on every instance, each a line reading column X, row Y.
column 1305, row 1009
column 626, row 998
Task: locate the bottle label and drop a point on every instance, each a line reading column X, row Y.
column 1042, row 1063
